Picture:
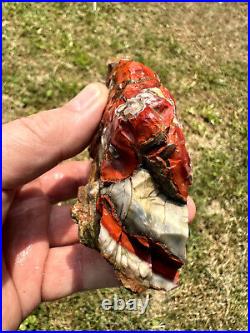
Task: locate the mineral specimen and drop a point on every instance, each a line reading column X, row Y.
column 134, row 208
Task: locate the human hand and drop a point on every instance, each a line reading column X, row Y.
column 42, row 258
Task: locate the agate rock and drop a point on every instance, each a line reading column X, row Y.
column 134, row 209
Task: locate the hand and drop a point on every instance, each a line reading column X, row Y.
column 42, row 259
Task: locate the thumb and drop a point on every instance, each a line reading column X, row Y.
column 35, row 144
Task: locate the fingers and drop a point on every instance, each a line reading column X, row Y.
column 73, row 268
column 62, row 182
column 7, row 199
column 191, row 209
column 62, row 230
column 35, row 144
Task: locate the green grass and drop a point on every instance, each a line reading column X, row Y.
column 51, row 51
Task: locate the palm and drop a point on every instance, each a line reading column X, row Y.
column 26, row 247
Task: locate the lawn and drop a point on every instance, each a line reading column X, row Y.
column 199, row 50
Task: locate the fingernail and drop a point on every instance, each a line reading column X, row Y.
column 92, row 96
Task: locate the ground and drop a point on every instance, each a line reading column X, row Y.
column 199, row 50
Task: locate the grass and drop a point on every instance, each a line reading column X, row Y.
column 50, row 51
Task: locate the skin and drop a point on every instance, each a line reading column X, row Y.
column 42, row 259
